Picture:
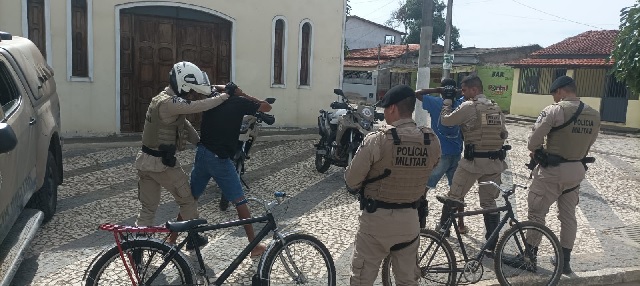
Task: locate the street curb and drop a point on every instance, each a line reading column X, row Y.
column 609, row 276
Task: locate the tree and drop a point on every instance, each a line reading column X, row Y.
column 627, row 48
column 410, row 15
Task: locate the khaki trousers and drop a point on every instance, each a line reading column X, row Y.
column 463, row 180
column 378, row 232
column 173, row 180
column 546, row 188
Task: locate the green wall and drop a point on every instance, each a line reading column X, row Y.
column 498, row 84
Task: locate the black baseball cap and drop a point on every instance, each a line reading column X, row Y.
column 396, row 94
column 560, row 82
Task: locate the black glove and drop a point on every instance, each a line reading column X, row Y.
column 449, row 92
column 230, row 88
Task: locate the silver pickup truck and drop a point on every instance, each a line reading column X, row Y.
column 30, row 148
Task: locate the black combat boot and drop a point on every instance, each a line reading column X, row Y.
column 567, row 258
column 520, row 262
column 566, row 252
column 491, row 222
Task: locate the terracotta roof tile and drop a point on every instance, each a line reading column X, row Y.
column 369, row 57
column 362, row 63
column 387, row 52
column 587, row 43
column 561, row 62
column 590, row 48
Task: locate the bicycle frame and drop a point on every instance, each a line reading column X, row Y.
column 270, row 226
column 120, row 231
column 509, row 216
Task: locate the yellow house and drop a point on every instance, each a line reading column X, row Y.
column 584, row 58
column 111, row 57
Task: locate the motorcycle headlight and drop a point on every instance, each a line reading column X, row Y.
column 366, row 124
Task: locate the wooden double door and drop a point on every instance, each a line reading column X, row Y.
column 150, row 45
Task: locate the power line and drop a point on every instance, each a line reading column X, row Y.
column 556, row 15
column 376, row 10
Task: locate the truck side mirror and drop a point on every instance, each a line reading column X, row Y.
column 8, row 139
column 338, row 91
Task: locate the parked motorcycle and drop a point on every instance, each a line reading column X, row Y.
column 342, row 131
column 248, row 134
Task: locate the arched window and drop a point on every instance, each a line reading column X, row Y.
column 306, row 51
column 80, row 40
column 278, row 64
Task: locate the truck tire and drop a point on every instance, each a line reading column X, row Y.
column 46, row 198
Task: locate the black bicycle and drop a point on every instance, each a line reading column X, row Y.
column 138, row 258
column 525, row 254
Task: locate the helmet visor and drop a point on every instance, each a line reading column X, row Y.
column 205, row 79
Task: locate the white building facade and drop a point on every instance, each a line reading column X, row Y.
column 361, row 34
column 111, row 57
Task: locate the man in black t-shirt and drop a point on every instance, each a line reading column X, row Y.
column 220, row 130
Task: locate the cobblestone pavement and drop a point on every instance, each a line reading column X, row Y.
column 100, row 187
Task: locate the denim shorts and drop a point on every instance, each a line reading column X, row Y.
column 208, row 165
column 447, row 165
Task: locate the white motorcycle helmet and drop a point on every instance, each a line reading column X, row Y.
column 185, row 76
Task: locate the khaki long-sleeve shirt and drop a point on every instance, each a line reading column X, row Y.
column 169, row 112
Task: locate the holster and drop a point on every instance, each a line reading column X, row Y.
column 370, row 205
column 540, row 157
column 423, row 211
column 469, row 149
column 169, row 154
column 587, row 160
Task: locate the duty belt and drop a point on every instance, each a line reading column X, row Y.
column 372, row 205
column 152, row 152
column 490, row 155
column 470, row 153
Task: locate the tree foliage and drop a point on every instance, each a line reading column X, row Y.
column 410, row 15
column 627, row 48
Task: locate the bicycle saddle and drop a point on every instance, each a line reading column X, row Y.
column 180, row 226
column 450, row 201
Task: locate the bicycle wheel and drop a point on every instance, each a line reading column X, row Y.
column 301, row 260
column 436, row 260
column 143, row 258
column 536, row 267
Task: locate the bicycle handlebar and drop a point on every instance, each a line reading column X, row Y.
column 268, row 206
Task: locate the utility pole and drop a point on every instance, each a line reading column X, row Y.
column 446, row 68
column 424, row 59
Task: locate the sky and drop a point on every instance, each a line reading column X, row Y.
column 509, row 23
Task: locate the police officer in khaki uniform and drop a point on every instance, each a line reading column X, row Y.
column 389, row 169
column 570, row 127
column 483, row 128
column 166, row 130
